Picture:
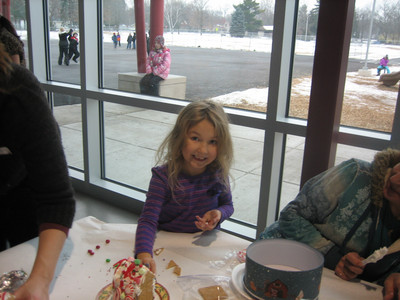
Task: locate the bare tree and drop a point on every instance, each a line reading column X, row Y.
column 362, row 19
column 302, row 22
column 173, row 12
column 267, row 16
column 200, row 8
column 388, row 22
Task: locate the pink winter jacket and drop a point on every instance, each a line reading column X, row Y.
column 158, row 62
column 384, row 61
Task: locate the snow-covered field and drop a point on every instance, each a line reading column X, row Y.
column 263, row 44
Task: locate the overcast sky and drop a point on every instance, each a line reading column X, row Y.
column 227, row 5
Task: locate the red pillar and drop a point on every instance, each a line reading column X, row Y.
column 5, row 9
column 141, row 42
column 156, row 20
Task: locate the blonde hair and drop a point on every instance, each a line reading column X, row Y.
column 170, row 150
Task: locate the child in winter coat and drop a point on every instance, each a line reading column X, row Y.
column 157, row 67
column 73, row 47
column 383, row 65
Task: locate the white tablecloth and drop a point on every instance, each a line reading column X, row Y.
column 80, row 275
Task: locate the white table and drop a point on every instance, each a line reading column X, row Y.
column 80, row 275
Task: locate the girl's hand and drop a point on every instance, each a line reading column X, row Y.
column 392, row 287
column 209, row 220
column 349, row 266
column 33, row 289
column 147, row 260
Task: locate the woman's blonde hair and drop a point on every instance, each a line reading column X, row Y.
column 170, row 151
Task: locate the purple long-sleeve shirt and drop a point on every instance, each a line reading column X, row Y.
column 197, row 195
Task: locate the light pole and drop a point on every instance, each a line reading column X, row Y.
column 369, row 35
column 308, row 15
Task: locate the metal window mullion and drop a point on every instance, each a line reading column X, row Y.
column 274, row 141
column 35, row 13
column 92, row 132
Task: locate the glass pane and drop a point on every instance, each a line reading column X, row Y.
column 294, row 162
column 307, row 20
column 214, row 62
column 345, row 152
column 368, row 103
column 248, row 146
column 292, row 167
column 64, row 40
column 67, row 111
column 132, row 137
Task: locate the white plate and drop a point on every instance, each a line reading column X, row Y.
column 237, row 281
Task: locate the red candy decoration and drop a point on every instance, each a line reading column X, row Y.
column 107, row 241
column 90, row 252
column 97, row 247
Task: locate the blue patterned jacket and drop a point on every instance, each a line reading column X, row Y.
column 330, row 205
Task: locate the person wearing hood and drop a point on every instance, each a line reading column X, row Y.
column 157, row 67
column 63, row 46
column 346, row 213
column 383, row 65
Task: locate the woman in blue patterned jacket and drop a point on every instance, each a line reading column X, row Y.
column 348, row 212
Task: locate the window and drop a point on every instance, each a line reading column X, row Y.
column 63, row 24
column 110, row 135
column 68, row 113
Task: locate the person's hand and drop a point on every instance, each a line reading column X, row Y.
column 34, row 289
column 147, row 260
column 392, row 287
column 209, row 220
column 349, row 266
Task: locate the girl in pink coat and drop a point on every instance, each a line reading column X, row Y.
column 157, row 67
column 383, row 65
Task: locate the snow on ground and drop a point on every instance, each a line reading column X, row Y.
column 353, row 89
column 260, row 44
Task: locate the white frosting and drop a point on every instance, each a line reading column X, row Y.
column 129, row 276
column 377, row 255
column 282, row 267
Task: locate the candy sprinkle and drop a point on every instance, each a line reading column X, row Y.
column 108, row 260
column 98, row 247
column 107, row 241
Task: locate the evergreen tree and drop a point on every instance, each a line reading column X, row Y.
column 251, row 9
column 238, row 28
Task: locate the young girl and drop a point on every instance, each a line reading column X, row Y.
column 189, row 191
column 158, row 63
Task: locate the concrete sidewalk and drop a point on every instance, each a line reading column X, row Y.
column 133, row 136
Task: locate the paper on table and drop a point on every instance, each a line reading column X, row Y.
column 80, row 275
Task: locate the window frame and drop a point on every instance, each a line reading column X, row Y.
column 277, row 125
